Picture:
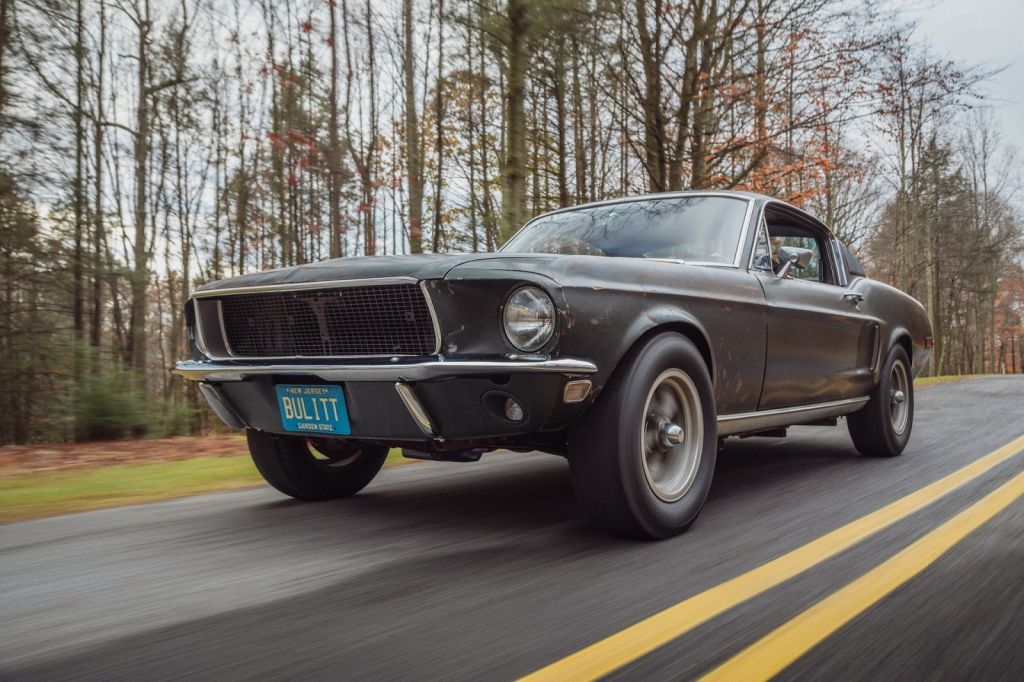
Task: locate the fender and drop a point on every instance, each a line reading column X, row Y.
column 670, row 318
column 660, row 319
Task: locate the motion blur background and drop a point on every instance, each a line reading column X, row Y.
column 149, row 146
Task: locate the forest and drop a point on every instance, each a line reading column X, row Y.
column 147, row 147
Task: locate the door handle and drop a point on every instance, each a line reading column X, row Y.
column 853, row 297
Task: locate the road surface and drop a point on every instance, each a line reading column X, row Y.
column 490, row 571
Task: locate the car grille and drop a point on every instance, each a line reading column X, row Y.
column 391, row 319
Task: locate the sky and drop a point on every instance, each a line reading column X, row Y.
column 989, row 34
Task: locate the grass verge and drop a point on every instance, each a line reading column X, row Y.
column 944, row 379
column 62, row 492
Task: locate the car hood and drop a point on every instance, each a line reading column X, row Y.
column 420, row 266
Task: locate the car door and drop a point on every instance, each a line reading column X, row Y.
column 819, row 345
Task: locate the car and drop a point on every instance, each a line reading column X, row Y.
column 631, row 336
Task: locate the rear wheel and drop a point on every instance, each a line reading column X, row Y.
column 314, row 469
column 882, row 427
column 642, row 458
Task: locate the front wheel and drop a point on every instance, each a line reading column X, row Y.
column 882, row 427
column 643, row 457
column 313, row 469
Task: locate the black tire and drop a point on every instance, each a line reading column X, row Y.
column 611, row 458
column 337, row 469
column 877, row 429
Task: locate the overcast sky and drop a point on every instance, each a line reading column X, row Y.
column 989, row 33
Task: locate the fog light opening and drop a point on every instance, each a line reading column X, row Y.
column 513, row 410
column 576, row 391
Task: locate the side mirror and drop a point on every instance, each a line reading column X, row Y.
column 794, row 257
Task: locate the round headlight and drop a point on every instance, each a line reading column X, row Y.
column 529, row 318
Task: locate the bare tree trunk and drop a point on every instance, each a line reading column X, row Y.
column 760, row 81
column 78, row 264
column 579, row 146
column 219, row 203
column 471, row 140
column 439, row 128
column 513, row 199
column 490, row 222
column 176, row 334
column 334, row 172
column 413, row 152
column 535, row 120
column 704, row 29
column 140, row 273
column 98, row 271
column 370, row 167
column 560, row 115
column 687, row 98
column 5, row 40
column 653, row 117
column 241, row 179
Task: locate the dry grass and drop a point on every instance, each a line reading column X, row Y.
column 944, row 379
column 51, row 491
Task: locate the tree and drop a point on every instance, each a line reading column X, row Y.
column 413, row 148
column 517, row 25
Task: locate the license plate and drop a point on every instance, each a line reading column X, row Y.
column 313, row 409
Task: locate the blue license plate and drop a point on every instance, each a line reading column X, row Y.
column 313, row 409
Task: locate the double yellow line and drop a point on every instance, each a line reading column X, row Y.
column 781, row 647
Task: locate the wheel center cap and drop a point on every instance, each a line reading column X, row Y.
column 671, row 434
column 898, row 397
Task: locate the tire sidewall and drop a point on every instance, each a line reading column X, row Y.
column 655, row 516
column 287, row 463
column 896, row 442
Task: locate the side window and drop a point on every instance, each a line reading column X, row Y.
column 813, row 271
column 789, row 227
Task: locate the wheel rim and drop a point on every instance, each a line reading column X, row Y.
column 332, row 455
column 672, row 435
column 899, row 397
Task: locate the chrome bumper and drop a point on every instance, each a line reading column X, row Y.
column 418, row 371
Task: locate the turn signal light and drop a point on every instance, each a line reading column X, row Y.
column 576, row 391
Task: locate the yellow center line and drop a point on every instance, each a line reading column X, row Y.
column 779, row 648
column 625, row 646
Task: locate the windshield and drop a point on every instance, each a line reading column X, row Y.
column 701, row 229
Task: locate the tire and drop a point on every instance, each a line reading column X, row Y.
column 314, row 469
column 629, row 477
column 882, row 427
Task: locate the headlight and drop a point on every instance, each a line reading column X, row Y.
column 529, row 318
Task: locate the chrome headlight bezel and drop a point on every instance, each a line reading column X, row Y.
column 528, row 318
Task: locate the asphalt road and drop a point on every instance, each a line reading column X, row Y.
column 490, row 571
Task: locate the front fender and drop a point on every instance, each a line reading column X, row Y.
column 728, row 330
column 672, row 318
column 469, row 303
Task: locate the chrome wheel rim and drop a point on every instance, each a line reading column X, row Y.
column 672, row 435
column 899, row 397
column 330, row 455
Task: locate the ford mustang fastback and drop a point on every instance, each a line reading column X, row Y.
column 630, row 336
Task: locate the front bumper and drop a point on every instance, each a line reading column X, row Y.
column 437, row 403
column 408, row 371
